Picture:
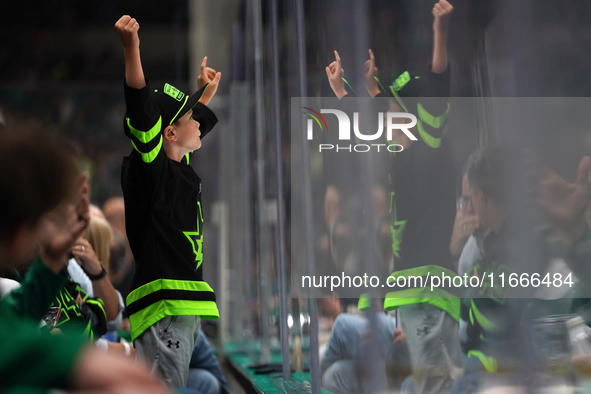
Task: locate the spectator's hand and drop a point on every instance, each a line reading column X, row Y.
column 208, row 76
column 399, row 336
column 335, row 73
column 582, row 364
column 331, row 307
column 127, row 28
column 442, row 11
column 562, row 203
column 64, row 225
column 86, row 257
column 371, row 71
column 99, row 371
column 464, row 226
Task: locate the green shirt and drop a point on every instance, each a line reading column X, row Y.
column 31, row 361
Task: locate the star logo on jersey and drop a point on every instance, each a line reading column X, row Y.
column 396, row 228
column 197, row 242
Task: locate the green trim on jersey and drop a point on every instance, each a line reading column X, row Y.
column 438, row 297
column 432, row 270
column 150, row 156
column 166, row 284
column 145, row 136
column 481, row 319
column 434, row 121
column 142, row 320
column 489, row 363
column 431, row 141
column 446, row 302
column 364, row 302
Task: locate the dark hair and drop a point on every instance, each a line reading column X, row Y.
column 36, row 176
column 498, row 172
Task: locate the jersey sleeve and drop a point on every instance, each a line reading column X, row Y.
column 433, row 109
column 143, row 123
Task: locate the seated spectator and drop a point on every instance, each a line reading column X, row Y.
column 44, row 211
column 205, row 374
column 342, row 362
column 122, row 267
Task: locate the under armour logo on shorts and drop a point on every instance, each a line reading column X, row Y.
column 170, row 344
column 422, row 331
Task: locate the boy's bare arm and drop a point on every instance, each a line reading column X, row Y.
column 127, row 29
column 441, row 16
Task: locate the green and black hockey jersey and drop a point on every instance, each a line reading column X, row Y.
column 164, row 219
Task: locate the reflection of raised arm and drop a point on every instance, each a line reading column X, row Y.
column 371, row 72
column 208, row 76
column 562, row 203
column 441, row 16
column 335, row 73
column 127, row 29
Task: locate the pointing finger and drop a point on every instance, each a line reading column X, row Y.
column 203, row 64
column 336, row 55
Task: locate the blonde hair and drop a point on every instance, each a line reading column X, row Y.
column 99, row 234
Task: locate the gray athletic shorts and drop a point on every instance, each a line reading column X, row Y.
column 167, row 347
column 434, row 347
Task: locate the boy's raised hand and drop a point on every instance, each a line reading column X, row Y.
column 127, row 29
column 208, row 76
column 371, row 71
column 335, row 73
column 442, row 11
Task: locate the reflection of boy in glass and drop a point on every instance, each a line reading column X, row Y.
column 422, row 208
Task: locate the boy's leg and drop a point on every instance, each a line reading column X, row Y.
column 432, row 338
column 167, row 347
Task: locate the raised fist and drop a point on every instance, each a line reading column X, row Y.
column 442, row 11
column 127, row 28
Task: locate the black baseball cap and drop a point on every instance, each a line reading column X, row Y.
column 173, row 102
